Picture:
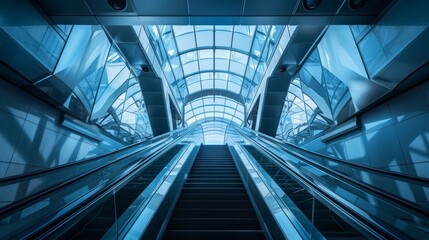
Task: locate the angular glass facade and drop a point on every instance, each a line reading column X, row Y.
column 120, row 108
column 341, row 77
column 214, row 72
column 87, row 76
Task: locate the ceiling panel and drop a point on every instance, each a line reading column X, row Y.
column 204, row 20
column 217, row 8
column 372, row 8
column 211, row 12
column 75, row 7
column 161, row 7
column 269, row 7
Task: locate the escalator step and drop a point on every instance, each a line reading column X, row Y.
column 234, row 204
column 212, row 184
column 213, row 213
column 214, row 223
column 214, row 190
column 214, row 196
column 214, row 203
column 214, row 235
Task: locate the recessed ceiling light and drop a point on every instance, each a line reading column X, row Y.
column 311, row 4
column 118, row 5
column 356, row 4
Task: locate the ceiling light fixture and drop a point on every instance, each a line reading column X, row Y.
column 118, row 5
column 356, row 4
column 145, row 69
column 311, row 4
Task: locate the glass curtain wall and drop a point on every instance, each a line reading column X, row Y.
column 120, row 108
column 89, row 77
column 340, row 78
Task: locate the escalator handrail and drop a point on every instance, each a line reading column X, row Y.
column 17, row 205
column 410, row 207
column 133, row 218
column 26, row 176
column 278, row 143
column 53, row 224
column 342, row 177
column 316, row 190
column 300, row 226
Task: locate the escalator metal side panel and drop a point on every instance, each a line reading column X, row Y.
column 276, row 219
column 94, row 208
column 152, row 221
column 352, row 213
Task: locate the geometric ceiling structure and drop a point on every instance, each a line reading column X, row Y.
column 214, row 71
column 227, row 63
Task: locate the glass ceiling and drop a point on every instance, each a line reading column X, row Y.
column 214, row 107
column 227, row 58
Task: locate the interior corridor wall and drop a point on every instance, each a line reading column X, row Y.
column 393, row 136
column 32, row 139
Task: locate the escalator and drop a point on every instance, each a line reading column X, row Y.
column 323, row 219
column 188, row 191
column 95, row 224
column 213, row 203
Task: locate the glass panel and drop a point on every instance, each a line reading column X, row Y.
column 212, row 49
column 223, row 38
column 77, row 75
column 383, row 43
column 186, row 42
column 216, row 106
column 41, row 41
column 120, row 90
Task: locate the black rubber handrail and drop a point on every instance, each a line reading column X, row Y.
column 54, row 224
column 312, row 188
column 387, row 197
column 395, row 198
column 279, row 143
column 22, row 203
column 21, row 177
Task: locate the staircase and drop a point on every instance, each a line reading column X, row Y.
column 213, row 203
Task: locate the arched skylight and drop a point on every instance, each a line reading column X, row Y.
column 230, row 58
column 213, row 71
column 214, row 132
column 214, row 107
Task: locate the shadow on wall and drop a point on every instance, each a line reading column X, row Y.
column 31, row 139
column 395, row 137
